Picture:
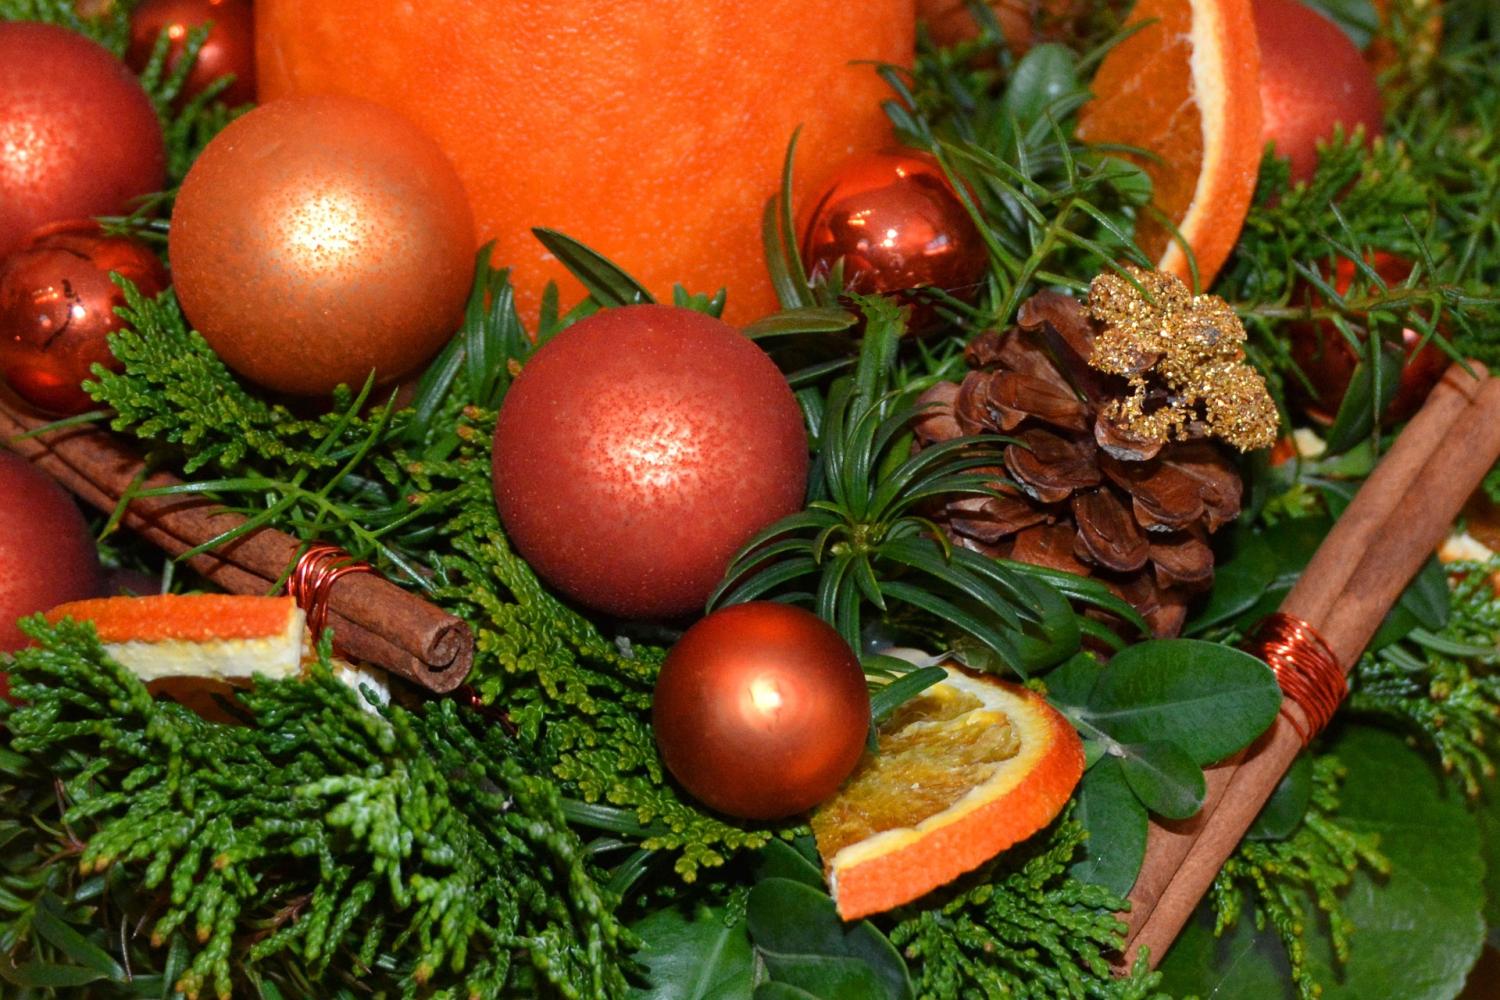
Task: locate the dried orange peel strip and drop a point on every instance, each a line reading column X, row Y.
column 965, row 770
column 217, row 636
column 1186, row 89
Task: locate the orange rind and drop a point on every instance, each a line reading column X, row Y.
column 965, row 770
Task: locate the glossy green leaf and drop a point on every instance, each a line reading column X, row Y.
column 1283, row 811
column 802, row 942
column 700, row 955
column 1116, row 822
column 1164, row 778
column 1045, row 74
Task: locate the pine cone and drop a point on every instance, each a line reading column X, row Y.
column 1088, row 491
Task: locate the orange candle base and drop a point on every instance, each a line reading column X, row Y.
column 652, row 130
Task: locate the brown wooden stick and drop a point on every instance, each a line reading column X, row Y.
column 373, row 619
column 1400, row 517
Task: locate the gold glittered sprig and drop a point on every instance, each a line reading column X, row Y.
column 1160, row 336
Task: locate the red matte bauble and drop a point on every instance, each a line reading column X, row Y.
column 1325, row 357
column 78, row 136
column 761, row 710
column 1312, row 77
column 228, row 49
column 318, row 239
column 638, row 450
column 57, row 309
column 47, row 556
column 897, row 224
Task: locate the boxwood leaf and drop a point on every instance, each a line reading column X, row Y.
column 1116, row 822
column 1210, row 700
column 799, row 937
column 1283, row 811
column 1164, row 778
column 697, row 955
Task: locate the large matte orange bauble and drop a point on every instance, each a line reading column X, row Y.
column 78, row 136
column 57, row 310
column 47, row 556
column 638, row 450
column 228, row 49
column 319, row 238
column 1312, row 77
column 761, row 710
column 652, row 130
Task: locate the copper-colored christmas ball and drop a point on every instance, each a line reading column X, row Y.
column 78, row 136
column 57, row 310
column 1312, row 77
column 638, row 450
column 229, row 47
column 761, row 710
column 319, row 238
column 47, row 556
column 897, row 224
column 1328, row 361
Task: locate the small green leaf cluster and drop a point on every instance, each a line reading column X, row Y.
column 405, row 846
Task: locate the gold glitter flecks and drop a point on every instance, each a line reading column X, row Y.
column 1183, row 352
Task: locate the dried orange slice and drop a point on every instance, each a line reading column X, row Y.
column 214, row 636
column 1186, row 89
column 964, row 770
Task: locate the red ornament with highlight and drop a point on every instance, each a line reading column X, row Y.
column 638, row 450
column 57, row 310
column 229, row 47
column 1325, row 357
column 47, row 556
column 78, row 134
column 897, row 224
column 761, row 710
column 1312, row 77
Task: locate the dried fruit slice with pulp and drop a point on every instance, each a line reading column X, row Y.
column 1185, row 88
column 964, row 770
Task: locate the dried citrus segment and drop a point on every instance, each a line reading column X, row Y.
column 965, row 770
column 1186, row 89
column 216, row 636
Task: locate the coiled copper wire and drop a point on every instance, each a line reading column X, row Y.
column 1306, row 669
column 312, row 579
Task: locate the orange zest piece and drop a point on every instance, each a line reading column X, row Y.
column 1185, row 88
column 180, row 617
column 968, row 768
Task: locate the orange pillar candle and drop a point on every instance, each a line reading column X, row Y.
column 652, row 130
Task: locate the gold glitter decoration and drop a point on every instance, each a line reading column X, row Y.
column 1183, row 352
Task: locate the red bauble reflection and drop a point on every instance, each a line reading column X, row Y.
column 47, row 556
column 897, row 224
column 1312, row 77
column 761, row 710
column 229, row 48
column 78, row 136
column 1326, row 358
column 318, row 239
column 638, row 450
column 57, row 309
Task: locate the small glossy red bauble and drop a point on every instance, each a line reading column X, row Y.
column 638, row 450
column 897, row 224
column 78, row 136
column 318, row 239
column 1312, row 77
column 229, row 47
column 47, row 556
column 1326, row 358
column 57, row 310
column 761, row 710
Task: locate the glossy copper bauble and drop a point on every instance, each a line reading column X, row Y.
column 318, row 239
column 897, row 224
column 761, row 710
column 57, row 310
column 638, row 450
column 78, row 135
column 229, row 48
column 1312, row 78
column 1325, row 357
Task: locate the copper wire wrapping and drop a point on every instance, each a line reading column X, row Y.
column 312, row 579
column 1306, row 669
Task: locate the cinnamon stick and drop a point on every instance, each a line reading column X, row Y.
column 1396, row 521
column 372, row 619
